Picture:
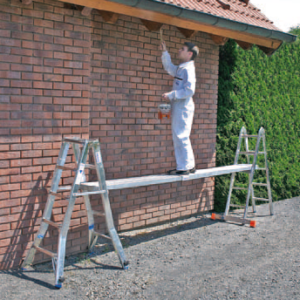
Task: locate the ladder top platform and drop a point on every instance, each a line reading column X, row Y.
column 133, row 182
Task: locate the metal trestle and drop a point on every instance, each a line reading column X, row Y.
column 81, row 149
column 250, row 190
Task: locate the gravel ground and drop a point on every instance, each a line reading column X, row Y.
column 195, row 258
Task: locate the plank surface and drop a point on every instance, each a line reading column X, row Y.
column 132, row 182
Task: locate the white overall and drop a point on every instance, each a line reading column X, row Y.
column 182, row 110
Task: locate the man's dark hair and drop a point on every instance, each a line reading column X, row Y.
column 192, row 48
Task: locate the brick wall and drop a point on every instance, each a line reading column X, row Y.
column 62, row 74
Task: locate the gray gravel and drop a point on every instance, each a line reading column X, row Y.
column 195, row 258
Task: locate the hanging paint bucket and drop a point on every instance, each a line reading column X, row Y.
column 164, row 110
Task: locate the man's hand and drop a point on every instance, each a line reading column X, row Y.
column 165, row 96
column 163, row 46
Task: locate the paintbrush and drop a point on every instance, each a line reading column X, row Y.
column 161, row 35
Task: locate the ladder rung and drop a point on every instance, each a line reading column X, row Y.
column 66, row 168
column 89, row 166
column 59, row 195
column 75, row 140
column 98, row 213
column 259, row 184
column 54, row 194
column 52, row 223
column 50, row 253
column 102, row 235
column 236, row 205
column 239, row 188
column 251, row 152
column 249, row 135
column 264, row 169
column 89, row 193
column 64, row 189
column 260, row 199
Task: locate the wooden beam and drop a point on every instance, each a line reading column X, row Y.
column 266, row 50
column 219, row 40
column 85, row 11
column 27, row 2
column 151, row 26
column 244, row 45
column 187, row 32
column 179, row 22
column 108, row 16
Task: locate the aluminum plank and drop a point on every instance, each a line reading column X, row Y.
column 133, row 182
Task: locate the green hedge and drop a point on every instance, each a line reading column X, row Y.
column 256, row 90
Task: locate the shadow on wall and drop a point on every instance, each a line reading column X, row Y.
column 24, row 229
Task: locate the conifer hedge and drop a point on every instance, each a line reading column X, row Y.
column 256, row 90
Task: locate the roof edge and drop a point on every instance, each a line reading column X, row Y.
column 174, row 10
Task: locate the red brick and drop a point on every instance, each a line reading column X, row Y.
column 10, row 155
column 31, row 153
column 43, row 23
column 9, row 187
column 42, row 85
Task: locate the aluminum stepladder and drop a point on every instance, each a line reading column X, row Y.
column 81, row 150
column 250, row 190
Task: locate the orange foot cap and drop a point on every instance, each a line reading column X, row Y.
column 253, row 224
column 213, row 216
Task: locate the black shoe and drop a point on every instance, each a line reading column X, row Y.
column 177, row 172
column 172, row 172
column 193, row 170
column 181, row 172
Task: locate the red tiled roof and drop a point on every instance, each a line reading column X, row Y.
column 239, row 11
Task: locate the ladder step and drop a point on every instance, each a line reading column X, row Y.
column 102, row 235
column 64, row 189
column 249, row 135
column 239, row 188
column 47, row 252
column 261, row 199
column 251, row 152
column 51, row 223
column 252, row 223
column 236, row 205
column 64, row 168
column 54, row 194
column 89, row 193
column 99, row 213
column 259, row 184
column 60, row 190
column 89, row 166
column 75, row 140
column 59, row 195
column 258, row 168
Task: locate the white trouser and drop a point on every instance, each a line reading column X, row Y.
column 182, row 120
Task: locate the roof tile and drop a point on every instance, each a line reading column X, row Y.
column 239, row 11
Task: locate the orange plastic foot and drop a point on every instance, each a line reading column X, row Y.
column 213, row 216
column 253, row 224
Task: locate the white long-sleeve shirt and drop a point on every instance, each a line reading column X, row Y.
column 184, row 78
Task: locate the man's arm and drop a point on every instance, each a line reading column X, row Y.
column 187, row 91
column 166, row 61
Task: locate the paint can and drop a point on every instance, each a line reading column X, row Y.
column 164, row 111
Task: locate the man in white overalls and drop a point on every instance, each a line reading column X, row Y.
column 182, row 105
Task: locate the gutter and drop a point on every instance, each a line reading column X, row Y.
column 173, row 10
